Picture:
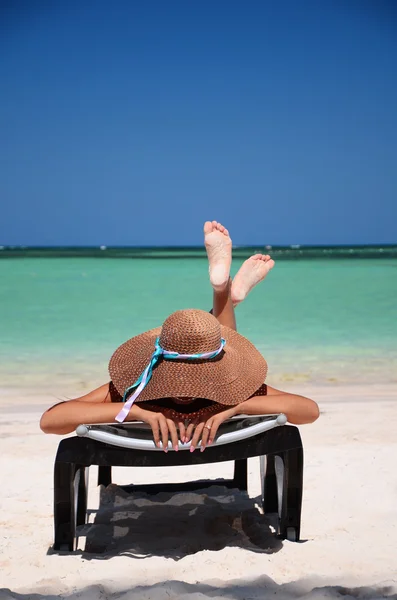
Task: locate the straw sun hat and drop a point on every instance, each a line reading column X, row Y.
column 225, row 366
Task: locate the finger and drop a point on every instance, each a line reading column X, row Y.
column 214, row 428
column 156, row 432
column 196, row 437
column 173, row 433
column 182, row 431
column 189, row 431
column 205, row 436
column 164, row 432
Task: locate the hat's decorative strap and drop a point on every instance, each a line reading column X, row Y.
column 145, row 377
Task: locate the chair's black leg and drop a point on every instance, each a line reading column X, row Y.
column 240, row 477
column 81, row 512
column 64, row 510
column 104, row 476
column 270, row 495
column 290, row 519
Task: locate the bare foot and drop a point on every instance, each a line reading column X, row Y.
column 219, row 250
column 252, row 271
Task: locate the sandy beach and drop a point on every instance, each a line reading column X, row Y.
column 232, row 157
column 211, row 545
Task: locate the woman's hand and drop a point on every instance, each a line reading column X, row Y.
column 207, row 427
column 164, row 426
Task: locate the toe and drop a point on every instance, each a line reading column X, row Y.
column 208, row 227
column 221, row 228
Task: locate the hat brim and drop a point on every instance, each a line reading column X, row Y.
column 230, row 378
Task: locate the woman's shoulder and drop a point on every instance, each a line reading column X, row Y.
column 104, row 393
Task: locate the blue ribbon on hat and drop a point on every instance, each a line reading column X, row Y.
column 146, row 375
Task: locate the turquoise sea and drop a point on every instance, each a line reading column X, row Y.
column 327, row 319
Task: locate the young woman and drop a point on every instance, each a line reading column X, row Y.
column 188, row 376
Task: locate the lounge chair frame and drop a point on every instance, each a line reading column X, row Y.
column 281, row 460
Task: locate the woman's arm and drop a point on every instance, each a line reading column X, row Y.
column 95, row 407
column 297, row 409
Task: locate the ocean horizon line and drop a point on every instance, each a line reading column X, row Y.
column 289, row 252
column 187, row 247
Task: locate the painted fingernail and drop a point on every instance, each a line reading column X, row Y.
column 202, row 448
column 166, row 449
column 176, row 447
column 210, row 442
column 192, row 448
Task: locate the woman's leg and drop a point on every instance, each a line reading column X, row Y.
column 223, row 308
column 228, row 294
column 219, row 250
column 251, row 272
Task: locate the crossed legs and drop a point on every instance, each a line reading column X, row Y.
column 227, row 293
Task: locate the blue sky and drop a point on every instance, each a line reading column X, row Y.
column 132, row 122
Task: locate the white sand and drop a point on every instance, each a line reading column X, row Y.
column 197, row 546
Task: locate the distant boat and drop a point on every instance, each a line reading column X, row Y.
column 102, row 247
column 268, row 247
column 295, row 246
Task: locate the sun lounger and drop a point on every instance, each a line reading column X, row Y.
column 278, row 446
